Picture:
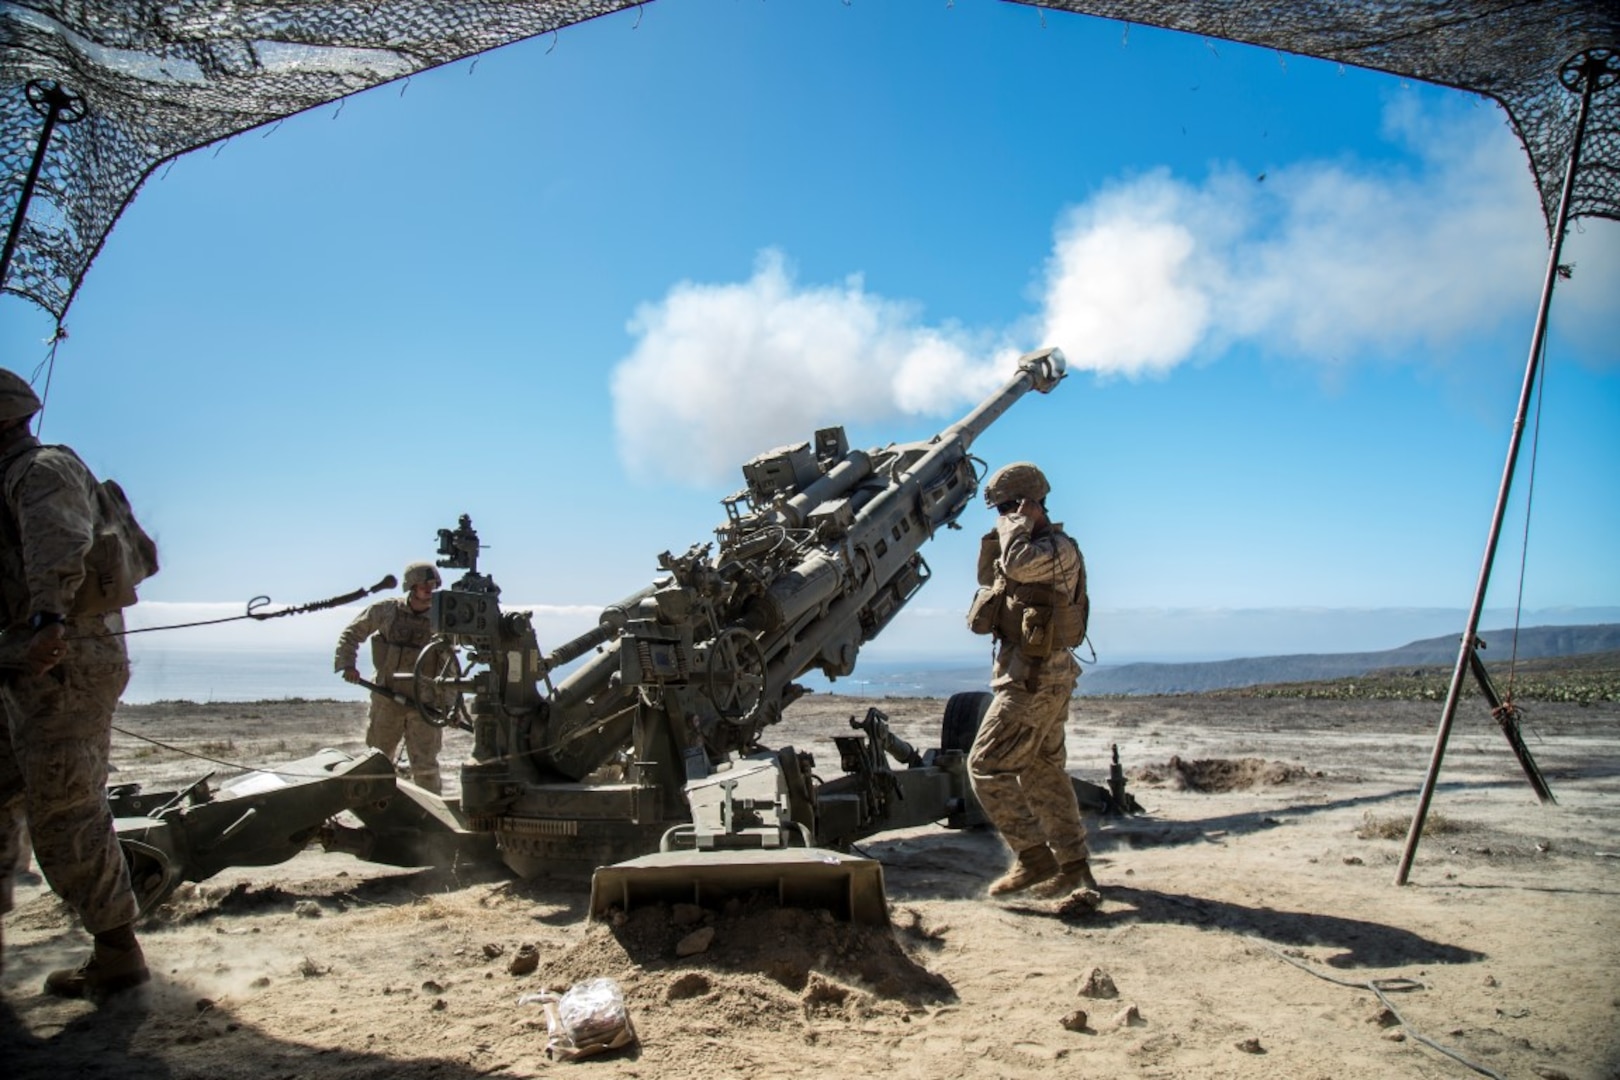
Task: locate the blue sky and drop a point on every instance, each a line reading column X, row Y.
column 569, row 288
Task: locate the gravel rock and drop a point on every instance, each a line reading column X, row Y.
column 698, row 941
column 525, row 962
column 1098, row 984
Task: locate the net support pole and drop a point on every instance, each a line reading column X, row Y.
column 1585, row 73
column 57, row 105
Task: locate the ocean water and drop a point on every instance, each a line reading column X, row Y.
column 169, row 674
column 162, row 674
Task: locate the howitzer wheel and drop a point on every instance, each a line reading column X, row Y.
column 446, row 664
column 960, row 726
column 736, row 675
column 963, row 714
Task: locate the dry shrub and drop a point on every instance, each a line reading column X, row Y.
column 1396, row 828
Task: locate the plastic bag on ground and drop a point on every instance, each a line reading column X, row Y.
column 589, row 1019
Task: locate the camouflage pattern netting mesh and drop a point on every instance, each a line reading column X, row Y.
column 161, row 78
column 1511, row 51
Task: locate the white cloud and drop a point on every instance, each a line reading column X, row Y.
column 720, row 372
column 1324, row 261
column 1422, row 255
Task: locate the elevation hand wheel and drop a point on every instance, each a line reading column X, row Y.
column 736, row 674
column 437, row 666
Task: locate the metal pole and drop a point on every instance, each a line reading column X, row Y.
column 57, row 105
column 1583, row 72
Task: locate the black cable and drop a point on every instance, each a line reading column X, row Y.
column 1378, row 987
column 48, row 366
column 1529, row 497
column 253, row 612
column 216, row 761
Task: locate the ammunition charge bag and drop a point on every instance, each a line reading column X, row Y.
column 121, row 554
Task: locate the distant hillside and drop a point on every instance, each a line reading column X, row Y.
column 1584, row 679
column 1535, row 643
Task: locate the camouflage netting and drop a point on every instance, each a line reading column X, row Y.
column 161, row 78
column 1512, row 51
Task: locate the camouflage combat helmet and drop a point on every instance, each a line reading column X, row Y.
column 17, row 398
column 1020, row 480
column 418, row 572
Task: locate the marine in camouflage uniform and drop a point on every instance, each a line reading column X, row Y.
column 61, row 681
column 1018, row 762
column 398, row 629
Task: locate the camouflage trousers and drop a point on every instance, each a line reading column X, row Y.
column 391, row 722
column 1018, row 765
column 57, row 734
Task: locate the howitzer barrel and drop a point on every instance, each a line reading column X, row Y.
column 574, row 648
column 930, row 486
column 930, row 483
column 609, row 625
column 1040, row 370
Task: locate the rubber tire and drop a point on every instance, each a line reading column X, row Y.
column 963, row 715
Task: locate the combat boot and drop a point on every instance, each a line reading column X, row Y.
column 1031, row 867
column 1071, row 878
column 113, row 967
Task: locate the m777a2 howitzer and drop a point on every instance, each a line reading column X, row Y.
column 649, row 750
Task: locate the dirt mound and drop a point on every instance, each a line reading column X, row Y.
column 763, row 964
column 1220, row 774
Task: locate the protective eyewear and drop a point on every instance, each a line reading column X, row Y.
column 1005, row 508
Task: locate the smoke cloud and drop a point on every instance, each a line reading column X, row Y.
column 1316, row 261
column 1325, row 262
column 721, row 372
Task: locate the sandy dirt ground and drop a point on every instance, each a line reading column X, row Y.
column 1249, row 926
